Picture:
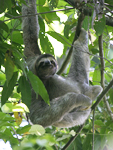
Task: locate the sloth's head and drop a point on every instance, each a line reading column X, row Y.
column 46, row 66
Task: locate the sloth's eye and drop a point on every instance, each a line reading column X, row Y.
column 41, row 64
column 52, row 62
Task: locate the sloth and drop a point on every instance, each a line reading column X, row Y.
column 70, row 97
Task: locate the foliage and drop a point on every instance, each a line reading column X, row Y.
column 14, row 75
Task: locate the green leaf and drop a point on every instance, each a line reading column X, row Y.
column 41, row 2
column 66, row 30
column 5, row 117
column 3, row 26
column 47, row 47
column 60, row 38
column 94, row 50
column 109, row 138
column 10, row 107
column 99, row 26
column 54, row 3
column 7, row 107
column 111, row 95
column 49, row 17
column 9, row 4
column 97, row 141
column 96, row 76
column 37, row 130
column 109, row 2
column 4, row 47
column 21, row 107
column 23, row 1
column 38, row 86
column 5, row 123
column 49, row 140
column 5, row 120
column 65, row 136
column 96, row 60
column 42, row 24
column 7, row 89
column 79, row 142
column 19, row 60
column 25, row 90
column 62, row 3
column 87, row 142
column 23, row 130
column 1, row 59
column 17, row 37
column 16, row 96
column 99, row 123
column 7, row 135
column 9, row 68
column 76, row 144
column 86, row 22
column 109, row 74
column 2, row 78
column 20, row 65
column 5, row 4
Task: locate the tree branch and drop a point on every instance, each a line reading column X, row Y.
column 93, row 123
column 28, row 15
column 87, row 12
column 92, row 108
column 16, row 134
column 82, row 7
column 73, row 138
column 78, row 29
column 102, row 75
column 100, row 41
column 102, row 95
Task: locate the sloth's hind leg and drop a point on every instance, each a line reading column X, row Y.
column 59, row 107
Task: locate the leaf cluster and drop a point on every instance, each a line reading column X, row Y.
column 15, row 77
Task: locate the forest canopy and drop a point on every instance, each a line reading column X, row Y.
column 60, row 22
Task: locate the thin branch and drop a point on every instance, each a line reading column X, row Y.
column 92, row 108
column 3, row 85
column 73, row 138
column 102, row 75
column 75, row 38
column 66, row 61
column 111, row 11
column 102, row 95
column 14, row 27
column 93, row 129
column 52, row 11
column 15, row 134
column 86, row 11
column 100, row 41
column 2, row 71
column 108, row 5
column 109, row 21
column 78, row 29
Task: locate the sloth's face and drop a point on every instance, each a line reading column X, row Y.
column 46, row 67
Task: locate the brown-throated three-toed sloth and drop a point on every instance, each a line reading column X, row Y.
column 71, row 97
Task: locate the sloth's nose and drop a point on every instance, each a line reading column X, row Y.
column 47, row 62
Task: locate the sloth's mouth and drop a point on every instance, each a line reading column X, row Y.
column 47, row 66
